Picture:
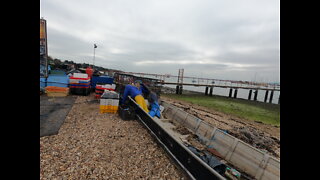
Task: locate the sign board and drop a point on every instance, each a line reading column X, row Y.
column 43, row 49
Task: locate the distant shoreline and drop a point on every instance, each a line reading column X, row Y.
column 169, row 90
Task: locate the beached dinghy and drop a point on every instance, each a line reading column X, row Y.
column 228, row 151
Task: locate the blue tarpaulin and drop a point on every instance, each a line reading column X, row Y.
column 58, row 80
column 42, row 82
column 101, row 80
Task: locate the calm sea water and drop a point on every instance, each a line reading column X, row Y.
column 242, row 93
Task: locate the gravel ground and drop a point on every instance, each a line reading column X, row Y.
column 91, row 145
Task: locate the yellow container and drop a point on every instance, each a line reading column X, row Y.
column 115, row 105
column 109, row 105
column 108, row 109
column 101, row 109
column 115, row 108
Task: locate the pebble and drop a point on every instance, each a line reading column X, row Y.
column 91, row 145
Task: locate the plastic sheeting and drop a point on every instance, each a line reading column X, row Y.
column 210, row 160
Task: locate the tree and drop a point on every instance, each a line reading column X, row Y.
column 57, row 61
column 50, row 58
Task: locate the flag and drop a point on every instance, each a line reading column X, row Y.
column 95, row 46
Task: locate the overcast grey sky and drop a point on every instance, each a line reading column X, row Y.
column 225, row 39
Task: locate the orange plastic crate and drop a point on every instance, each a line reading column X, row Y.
column 57, row 94
column 56, row 89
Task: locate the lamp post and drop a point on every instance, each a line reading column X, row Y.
column 94, row 52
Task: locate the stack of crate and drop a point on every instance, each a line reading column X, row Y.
column 96, row 80
column 109, row 102
column 101, row 88
column 79, row 84
column 53, row 91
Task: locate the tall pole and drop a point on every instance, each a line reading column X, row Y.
column 94, row 54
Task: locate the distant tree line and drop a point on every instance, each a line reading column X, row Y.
column 66, row 65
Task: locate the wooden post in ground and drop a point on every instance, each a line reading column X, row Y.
column 177, row 90
column 235, row 93
column 206, row 92
column 271, row 96
column 230, row 93
column 211, row 90
column 250, row 93
column 255, row 95
column 266, row 96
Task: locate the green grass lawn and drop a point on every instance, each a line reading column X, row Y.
column 251, row 110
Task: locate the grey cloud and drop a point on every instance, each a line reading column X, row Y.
column 235, row 39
